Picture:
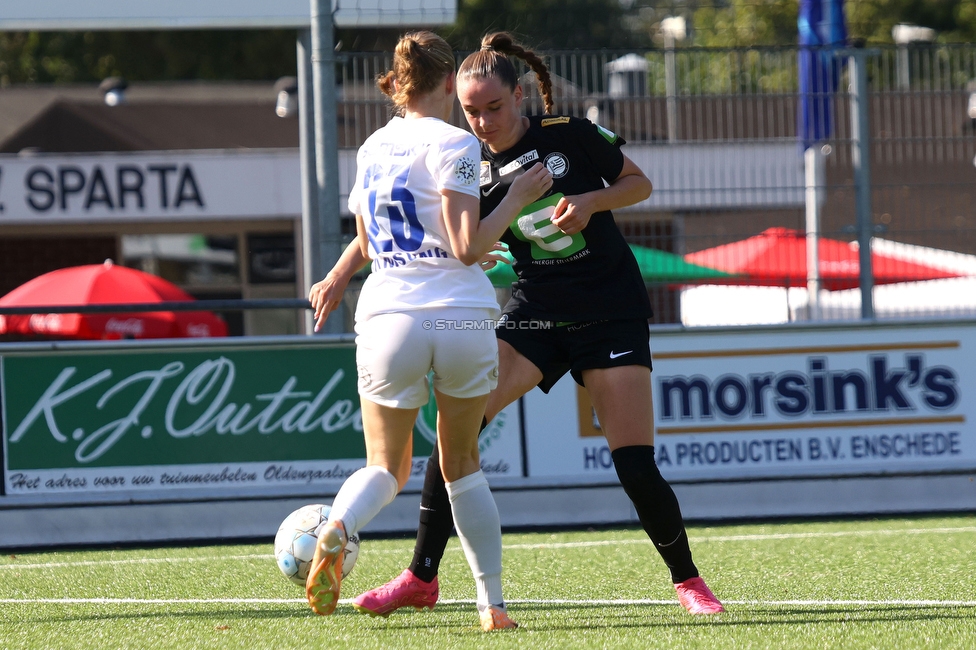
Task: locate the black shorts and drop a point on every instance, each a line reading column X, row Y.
column 558, row 348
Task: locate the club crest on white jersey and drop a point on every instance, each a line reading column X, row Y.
column 464, row 171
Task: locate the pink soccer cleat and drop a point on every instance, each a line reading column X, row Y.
column 406, row 590
column 697, row 598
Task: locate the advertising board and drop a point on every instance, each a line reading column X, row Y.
column 151, row 418
column 730, row 404
column 171, row 185
column 783, row 402
column 777, row 421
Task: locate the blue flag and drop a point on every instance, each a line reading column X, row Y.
column 821, row 30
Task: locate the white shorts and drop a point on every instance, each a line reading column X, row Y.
column 396, row 351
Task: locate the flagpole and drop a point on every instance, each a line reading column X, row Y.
column 821, row 28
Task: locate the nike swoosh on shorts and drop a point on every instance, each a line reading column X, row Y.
column 614, row 355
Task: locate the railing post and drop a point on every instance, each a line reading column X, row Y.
column 311, row 233
column 326, row 148
column 861, row 161
column 670, row 84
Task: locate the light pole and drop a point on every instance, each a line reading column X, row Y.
column 673, row 29
column 904, row 35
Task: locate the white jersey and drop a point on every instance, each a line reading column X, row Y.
column 402, row 169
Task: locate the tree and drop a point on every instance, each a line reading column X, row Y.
column 66, row 57
column 746, row 23
column 541, row 24
column 872, row 20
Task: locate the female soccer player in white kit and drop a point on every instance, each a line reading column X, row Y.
column 417, row 211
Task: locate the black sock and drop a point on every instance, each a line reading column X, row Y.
column 436, row 520
column 657, row 508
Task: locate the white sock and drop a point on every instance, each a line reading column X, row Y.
column 478, row 526
column 362, row 497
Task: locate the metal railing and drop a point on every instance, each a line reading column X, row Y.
column 727, row 105
column 45, row 322
column 145, row 307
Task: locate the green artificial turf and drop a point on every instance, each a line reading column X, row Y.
column 880, row 583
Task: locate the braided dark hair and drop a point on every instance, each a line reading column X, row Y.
column 492, row 61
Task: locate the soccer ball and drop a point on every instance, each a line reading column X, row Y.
column 295, row 541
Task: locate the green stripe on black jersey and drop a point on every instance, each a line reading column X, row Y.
column 607, row 133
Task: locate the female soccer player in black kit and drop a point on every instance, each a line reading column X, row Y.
column 576, row 272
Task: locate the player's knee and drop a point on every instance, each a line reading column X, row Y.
column 635, row 467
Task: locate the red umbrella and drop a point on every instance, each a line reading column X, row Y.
column 778, row 257
column 100, row 284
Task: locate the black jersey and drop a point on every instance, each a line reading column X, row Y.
column 591, row 275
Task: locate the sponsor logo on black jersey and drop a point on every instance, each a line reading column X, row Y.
column 549, row 121
column 484, row 177
column 518, row 163
column 557, row 164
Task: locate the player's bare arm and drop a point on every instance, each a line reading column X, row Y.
column 472, row 238
column 573, row 212
column 492, row 258
column 326, row 294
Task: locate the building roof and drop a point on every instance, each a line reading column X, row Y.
column 157, row 116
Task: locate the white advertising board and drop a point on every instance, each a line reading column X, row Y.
column 57, row 188
column 784, row 402
column 69, row 15
column 702, row 175
column 163, row 185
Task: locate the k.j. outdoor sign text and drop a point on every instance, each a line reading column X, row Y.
column 84, row 421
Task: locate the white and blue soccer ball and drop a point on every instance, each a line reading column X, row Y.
column 294, row 544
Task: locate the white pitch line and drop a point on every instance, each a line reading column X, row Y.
column 522, row 601
column 153, row 601
column 838, row 533
column 754, row 603
column 696, row 539
column 135, row 560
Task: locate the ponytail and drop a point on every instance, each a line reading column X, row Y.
column 492, row 60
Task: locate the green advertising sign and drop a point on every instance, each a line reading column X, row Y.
column 213, row 416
